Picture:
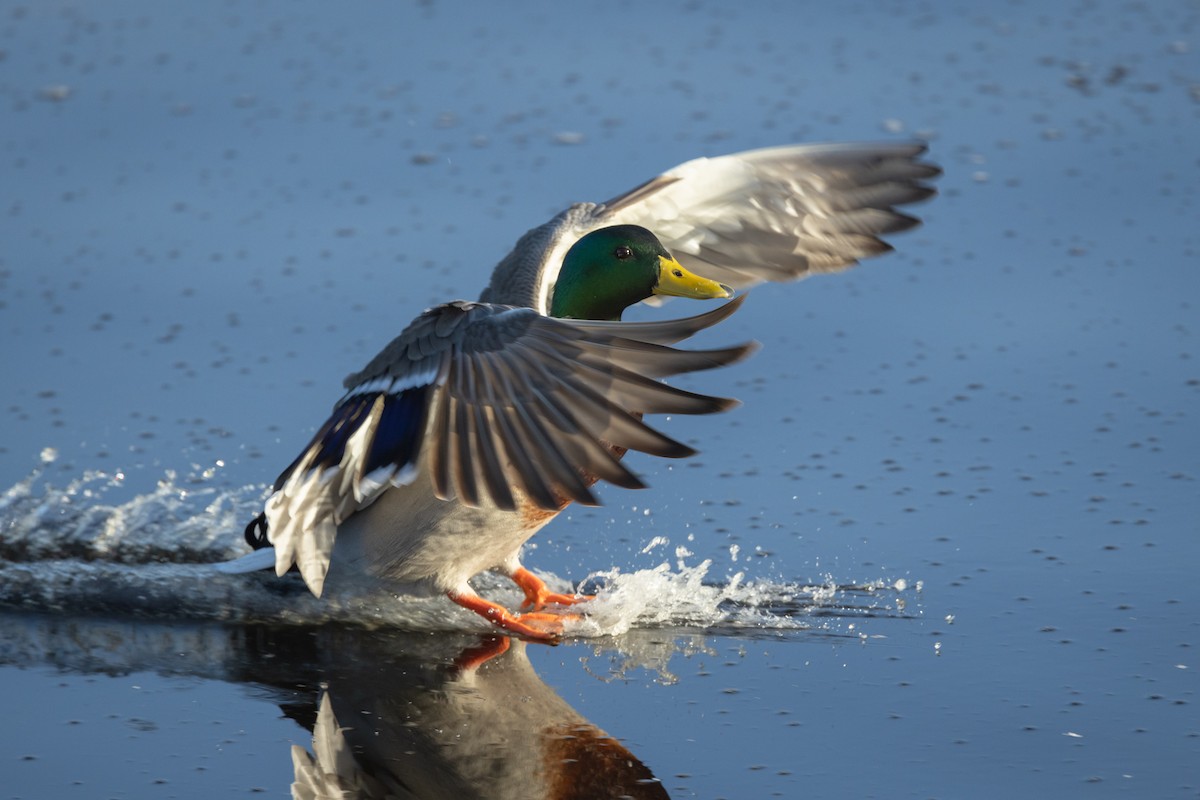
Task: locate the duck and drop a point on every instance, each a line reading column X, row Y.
column 483, row 420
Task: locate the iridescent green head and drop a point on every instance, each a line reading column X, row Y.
column 612, row 268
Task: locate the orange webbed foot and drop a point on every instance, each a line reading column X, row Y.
column 536, row 627
column 537, row 596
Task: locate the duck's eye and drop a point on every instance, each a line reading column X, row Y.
column 623, row 252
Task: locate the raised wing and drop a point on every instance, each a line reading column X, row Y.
column 780, row 213
column 502, row 406
column 776, row 214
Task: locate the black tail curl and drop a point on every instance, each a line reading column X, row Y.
column 256, row 532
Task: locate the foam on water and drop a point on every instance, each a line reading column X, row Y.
column 77, row 549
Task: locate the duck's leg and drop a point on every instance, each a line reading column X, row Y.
column 537, row 596
column 539, row 627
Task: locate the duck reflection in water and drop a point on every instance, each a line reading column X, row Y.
column 481, row 726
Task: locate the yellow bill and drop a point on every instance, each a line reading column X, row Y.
column 675, row 281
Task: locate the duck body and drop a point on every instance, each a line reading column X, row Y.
column 423, row 545
column 482, row 421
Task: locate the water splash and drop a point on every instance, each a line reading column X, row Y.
column 76, row 549
column 684, row 597
column 182, row 520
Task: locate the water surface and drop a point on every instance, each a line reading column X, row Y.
column 945, row 549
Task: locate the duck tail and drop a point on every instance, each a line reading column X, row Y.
column 256, row 532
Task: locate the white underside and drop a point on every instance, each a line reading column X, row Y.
column 409, row 536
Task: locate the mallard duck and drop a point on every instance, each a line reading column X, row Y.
column 483, row 420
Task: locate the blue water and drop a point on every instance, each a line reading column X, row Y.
column 209, row 215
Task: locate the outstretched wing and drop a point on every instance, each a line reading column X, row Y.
column 502, row 406
column 780, row 213
column 776, row 214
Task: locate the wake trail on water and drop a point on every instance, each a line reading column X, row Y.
column 90, row 546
